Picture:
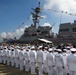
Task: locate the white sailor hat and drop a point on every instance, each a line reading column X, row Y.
column 17, row 47
column 33, row 47
column 23, row 47
column 68, row 47
column 59, row 50
column 39, row 47
column 73, row 49
column 64, row 49
column 50, row 49
column 46, row 47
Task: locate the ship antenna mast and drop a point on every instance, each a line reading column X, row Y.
column 35, row 15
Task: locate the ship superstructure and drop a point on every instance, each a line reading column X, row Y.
column 36, row 30
column 69, row 29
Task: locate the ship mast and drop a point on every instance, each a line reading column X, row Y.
column 35, row 15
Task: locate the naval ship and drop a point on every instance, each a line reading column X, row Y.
column 66, row 34
column 35, row 30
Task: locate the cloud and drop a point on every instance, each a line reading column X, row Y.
column 63, row 5
column 3, row 35
column 16, row 34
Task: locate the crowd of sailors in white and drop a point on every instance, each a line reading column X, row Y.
column 48, row 60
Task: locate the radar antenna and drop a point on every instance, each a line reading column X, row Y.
column 39, row 4
column 35, row 15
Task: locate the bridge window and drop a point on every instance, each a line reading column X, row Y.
column 64, row 30
column 74, row 29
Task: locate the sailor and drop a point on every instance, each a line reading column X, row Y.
column 32, row 60
column 40, row 60
column 12, row 56
column 21, row 59
column 28, row 47
column 17, row 56
column 50, row 62
column 55, row 51
column 26, row 59
column 1, row 51
column 68, row 50
column 45, row 52
column 8, row 56
column 71, row 62
column 4, row 54
column 59, row 64
column 64, row 54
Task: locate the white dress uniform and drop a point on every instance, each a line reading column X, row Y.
column 55, row 52
column 45, row 52
column 32, row 61
column 40, row 61
column 1, row 51
column 17, row 58
column 68, row 50
column 4, row 55
column 50, row 62
column 71, row 62
column 59, row 64
column 26, row 60
column 8, row 57
column 64, row 54
column 12, row 56
column 21, row 59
